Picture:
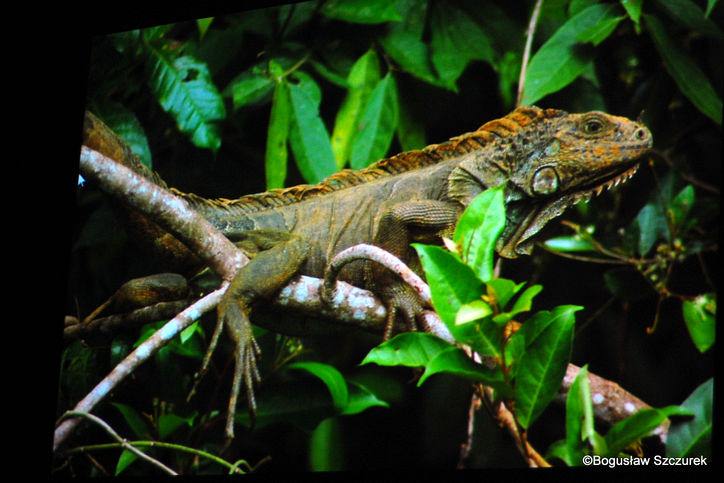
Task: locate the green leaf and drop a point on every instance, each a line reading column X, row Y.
column 691, row 80
column 579, row 414
column 454, row 361
column 362, row 11
column 326, row 446
column 124, row 123
column 329, row 74
column 404, row 43
column 525, row 301
column 377, row 125
column 477, row 309
column 688, row 14
column 710, row 4
column 134, row 420
column 409, row 349
column 577, row 6
column 693, row 437
column 168, row 423
column 186, row 334
column 124, row 461
column 543, row 365
column 309, row 139
column 700, row 318
column 561, row 59
column 502, row 290
column 681, row 205
column 652, row 227
column 410, row 128
column 452, row 283
column 203, row 25
column 456, row 40
column 250, row 88
column 361, row 399
column 478, row 230
column 362, row 79
column 637, row 426
column 330, row 376
column 483, row 336
column 184, row 88
column 508, row 73
column 633, row 9
column 568, row 244
column 276, row 140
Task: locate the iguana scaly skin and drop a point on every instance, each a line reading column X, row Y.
column 548, row 159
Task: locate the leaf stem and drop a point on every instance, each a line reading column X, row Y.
column 526, row 51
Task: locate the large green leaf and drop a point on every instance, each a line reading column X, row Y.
column 250, row 87
column 681, row 205
column 455, row 361
column 687, row 75
column 410, row 349
column 308, row 137
column 376, row 125
column 579, row 415
column 330, row 376
column 326, row 446
column 700, row 318
column 362, row 79
column 276, row 140
column 478, row 230
column 693, row 437
column 452, row 283
column 562, row 58
column 361, row 399
column 404, row 43
column 543, row 365
column 362, row 11
column 633, row 9
column 456, row 40
column 184, row 88
column 635, row 427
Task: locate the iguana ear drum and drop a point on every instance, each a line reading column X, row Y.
column 545, row 181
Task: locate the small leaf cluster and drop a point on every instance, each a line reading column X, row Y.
column 524, row 363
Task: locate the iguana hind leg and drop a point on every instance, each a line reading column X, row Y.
column 400, row 225
column 280, row 257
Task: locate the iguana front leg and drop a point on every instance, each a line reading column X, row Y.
column 400, row 225
column 266, row 273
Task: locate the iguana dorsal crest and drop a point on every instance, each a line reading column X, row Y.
column 400, row 163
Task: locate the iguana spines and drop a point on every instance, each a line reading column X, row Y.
column 397, row 164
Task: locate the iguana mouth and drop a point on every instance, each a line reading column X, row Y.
column 534, row 218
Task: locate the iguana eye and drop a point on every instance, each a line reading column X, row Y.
column 592, row 126
column 545, row 181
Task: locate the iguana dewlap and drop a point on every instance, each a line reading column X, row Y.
column 548, row 159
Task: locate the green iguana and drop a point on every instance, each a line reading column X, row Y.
column 548, row 159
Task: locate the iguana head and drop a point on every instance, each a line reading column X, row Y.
column 549, row 160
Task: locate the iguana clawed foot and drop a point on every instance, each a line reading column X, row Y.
column 234, row 315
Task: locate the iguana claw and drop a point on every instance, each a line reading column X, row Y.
column 234, row 315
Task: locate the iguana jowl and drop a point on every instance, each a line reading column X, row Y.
column 548, row 159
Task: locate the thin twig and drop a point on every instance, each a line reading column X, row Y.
column 121, row 441
column 160, row 444
column 526, row 51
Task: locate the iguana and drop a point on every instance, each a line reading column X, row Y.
column 547, row 158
